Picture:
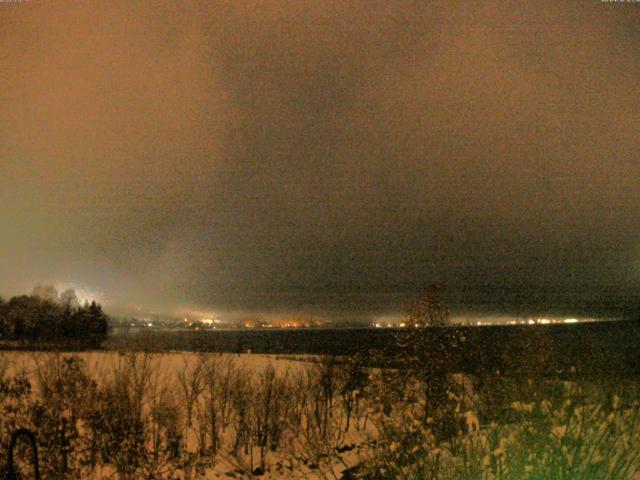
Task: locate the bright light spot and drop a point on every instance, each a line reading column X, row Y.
column 531, row 321
column 84, row 294
column 387, row 321
column 570, row 320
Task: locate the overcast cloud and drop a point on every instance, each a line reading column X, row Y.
column 327, row 156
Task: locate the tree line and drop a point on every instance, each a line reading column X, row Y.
column 48, row 317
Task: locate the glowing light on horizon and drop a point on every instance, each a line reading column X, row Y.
column 83, row 294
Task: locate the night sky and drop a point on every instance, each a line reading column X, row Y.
column 322, row 156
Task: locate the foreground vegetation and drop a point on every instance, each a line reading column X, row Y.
column 135, row 418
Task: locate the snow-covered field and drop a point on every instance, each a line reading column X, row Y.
column 102, row 364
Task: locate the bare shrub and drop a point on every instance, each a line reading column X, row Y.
column 117, row 420
column 322, row 385
column 15, row 408
column 270, row 417
column 226, row 374
column 191, row 380
column 352, row 381
column 322, row 430
column 118, row 430
column 214, row 408
column 208, row 417
column 298, row 401
column 164, row 431
column 65, row 392
column 241, row 398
